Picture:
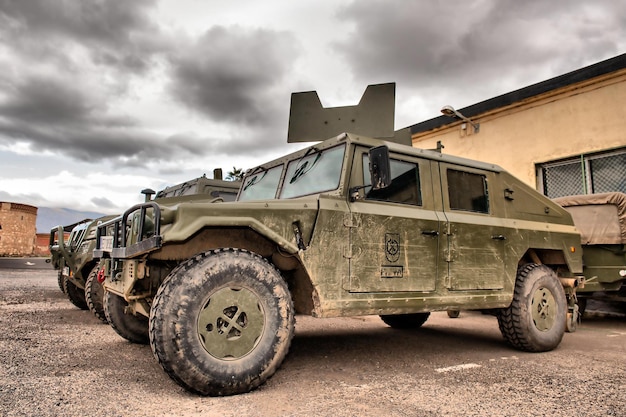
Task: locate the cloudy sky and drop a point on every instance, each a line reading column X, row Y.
column 102, row 98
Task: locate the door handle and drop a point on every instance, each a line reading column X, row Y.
column 498, row 237
column 430, row 232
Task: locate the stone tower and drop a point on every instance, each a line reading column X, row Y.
column 18, row 229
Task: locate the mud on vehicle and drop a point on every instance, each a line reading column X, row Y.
column 350, row 226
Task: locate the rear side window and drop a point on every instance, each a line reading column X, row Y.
column 467, row 191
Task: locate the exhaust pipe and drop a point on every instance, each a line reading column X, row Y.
column 569, row 282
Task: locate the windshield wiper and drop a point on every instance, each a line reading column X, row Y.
column 302, row 169
column 255, row 180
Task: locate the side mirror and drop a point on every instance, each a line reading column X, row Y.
column 380, row 171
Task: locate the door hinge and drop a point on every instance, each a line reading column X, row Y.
column 347, row 251
column 349, row 220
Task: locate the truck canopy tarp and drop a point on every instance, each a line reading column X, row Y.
column 600, row 218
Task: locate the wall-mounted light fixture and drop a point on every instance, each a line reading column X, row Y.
column 451, row 112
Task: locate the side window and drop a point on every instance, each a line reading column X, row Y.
column 467, row 191
column 405, row 184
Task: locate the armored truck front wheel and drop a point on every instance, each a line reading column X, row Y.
column 75, row 294
column 405, row 321
column 222, row 322
column 454, row 314
column 536, row 319
column 94, row 295
column 61, row 281
column 130, row 327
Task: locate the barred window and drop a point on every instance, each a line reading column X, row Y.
column 587, row 174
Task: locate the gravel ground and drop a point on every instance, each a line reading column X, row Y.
column 57, row 360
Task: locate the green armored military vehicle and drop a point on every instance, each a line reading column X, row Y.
column 58, row 247
column 352, row 225
column 75, row 260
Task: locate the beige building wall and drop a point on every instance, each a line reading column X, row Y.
column 580, row 118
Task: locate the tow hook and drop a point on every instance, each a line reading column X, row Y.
column 100, row 276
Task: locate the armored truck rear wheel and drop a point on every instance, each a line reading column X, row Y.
column 536, row 319
column 94, row 295
column 75, row 294
column 130, row 327
column 222, row 322
column 405, row 321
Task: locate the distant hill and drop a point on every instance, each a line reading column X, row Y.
column 47, row 217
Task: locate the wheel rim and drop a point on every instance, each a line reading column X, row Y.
column 543, row 309
column 231, row 323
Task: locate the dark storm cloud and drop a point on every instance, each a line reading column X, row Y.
column 51, row 114
column 230, row 74
column 70, row 61
column 125, row 147
column 463, row 44
column 103, row 203
column 49, row 99
column 31, row 198
column 115, row 33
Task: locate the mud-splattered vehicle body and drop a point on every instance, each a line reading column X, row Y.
column 601, row 220
column 351, row 226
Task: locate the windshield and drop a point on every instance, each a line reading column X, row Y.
column 314, row 173
column 262, row 185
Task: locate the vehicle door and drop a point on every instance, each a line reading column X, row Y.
column 395, row 231
column 474, row 244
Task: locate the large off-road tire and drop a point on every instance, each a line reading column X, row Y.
column 454, row 314
column 94, row 295
column 75, row 294
column 130, row 327
column 61, row 281
column 535, row 320
column 222, row 322
column 405, row 321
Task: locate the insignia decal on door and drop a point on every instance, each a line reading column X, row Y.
column 392, row 246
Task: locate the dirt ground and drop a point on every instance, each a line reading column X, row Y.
column 56, row 360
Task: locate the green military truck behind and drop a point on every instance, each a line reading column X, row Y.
column 352, row 225
column 75, row 258
column 601, row 220
column 75, row 262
